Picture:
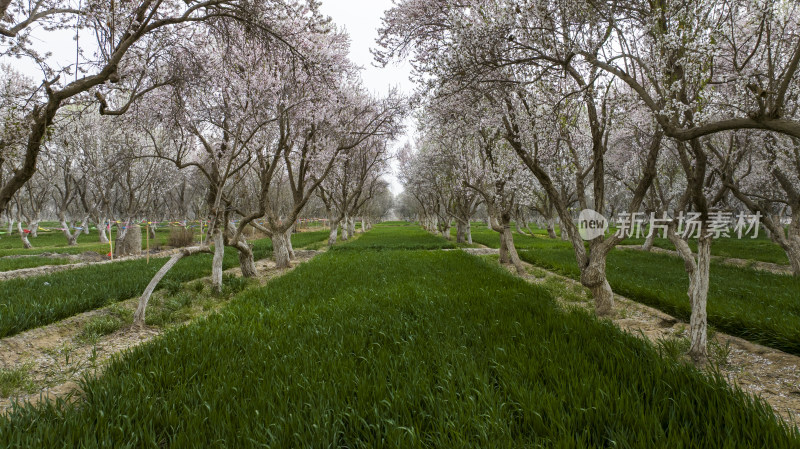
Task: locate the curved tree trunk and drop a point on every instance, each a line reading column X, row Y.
column 246, row 261
column 138, row 316
column 508, row 237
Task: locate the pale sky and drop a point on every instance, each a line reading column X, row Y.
column 361, row 19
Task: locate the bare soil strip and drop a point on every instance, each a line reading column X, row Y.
column 54, row 357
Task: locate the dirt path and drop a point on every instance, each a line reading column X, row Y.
column 53, row 358
column 768, row 373
column 743, row 263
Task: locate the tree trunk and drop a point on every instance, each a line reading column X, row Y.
column 649, row 240
column 216, row 263
column 246, row 260
column 34, row 228
column 698, row 270
column 508, row 238
column 460, row 232
column 289, row 248
column 279, row 250
column 130, row 243
column 72, row 237
column 551, row 228
column 352, row 225
column 363, row 225
column 469, row 233
column 334, row 231
column 24, row 237
column 446, row 230
column 698, row 294
column 345, row 229
column 152, row 231
column 10, row 226
column 564, row 233
column 793, row 253
column 101, row 230
column 593, row 277
column 138, row 317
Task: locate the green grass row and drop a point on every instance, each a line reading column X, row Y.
column 390, row 235
column 55, row 242
column 759, row 306
column 760, row 249
column 407, row 349
column 10, row 264
column 36, row 301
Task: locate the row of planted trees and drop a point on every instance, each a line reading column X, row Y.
column 658, row 107
column 244, row 114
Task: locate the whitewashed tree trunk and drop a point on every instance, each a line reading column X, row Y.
column 101, row 230
column 24, row 237
column 334, row 225
column 352, row 225
column 138, row 316
column 34, row 228
column 216, row 263
column 469, row 233
column 345, row 229
column 10, row 226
